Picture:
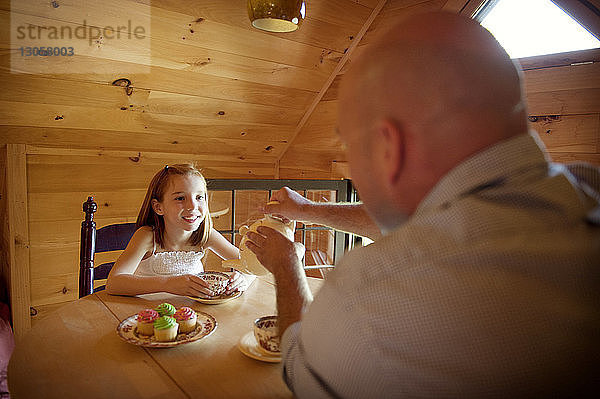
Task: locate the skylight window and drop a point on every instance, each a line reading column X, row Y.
column 534, row 27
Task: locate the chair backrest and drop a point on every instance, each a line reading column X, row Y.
column 113, row 237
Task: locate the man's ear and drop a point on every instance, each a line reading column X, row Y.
column 391, row 150
column 157, row 207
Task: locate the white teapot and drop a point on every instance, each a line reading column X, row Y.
column 248, row 261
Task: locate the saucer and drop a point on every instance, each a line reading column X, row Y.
column 249, row 347
column 218, row 299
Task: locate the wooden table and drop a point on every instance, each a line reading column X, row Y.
column 76, row 352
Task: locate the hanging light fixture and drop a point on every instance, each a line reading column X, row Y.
column 276, row 15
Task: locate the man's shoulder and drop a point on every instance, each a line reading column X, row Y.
column 406, row 247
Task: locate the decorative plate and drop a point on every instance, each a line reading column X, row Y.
column 127, row 330
column 219, row 280
column 249, row 347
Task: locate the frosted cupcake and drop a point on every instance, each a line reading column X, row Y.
column 186, row 318
column 145, row 321
column 165, row 329
column 165, row 309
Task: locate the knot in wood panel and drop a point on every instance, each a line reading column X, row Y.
column 124, row 82
column 544, row 118
column 198, row 63
column 551, row 118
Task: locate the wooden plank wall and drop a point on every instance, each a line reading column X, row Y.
column 563, row 95
column 214, row 82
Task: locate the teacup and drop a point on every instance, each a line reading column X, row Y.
column 266, row 332
column 217, row 281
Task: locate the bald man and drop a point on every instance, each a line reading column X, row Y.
column 484, row 282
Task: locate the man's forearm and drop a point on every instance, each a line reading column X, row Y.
column 347, row 217
column 293, row 296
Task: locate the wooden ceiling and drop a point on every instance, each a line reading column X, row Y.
column 211, row 85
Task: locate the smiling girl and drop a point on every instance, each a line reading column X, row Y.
column 174, row 229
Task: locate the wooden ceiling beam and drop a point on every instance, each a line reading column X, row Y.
column 332, row 77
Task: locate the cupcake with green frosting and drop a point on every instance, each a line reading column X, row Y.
column 165, row 329
column 165, row 309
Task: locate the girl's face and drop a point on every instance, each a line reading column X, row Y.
column 184, row 203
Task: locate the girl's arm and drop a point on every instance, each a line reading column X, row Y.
column 121, row 280
column 223, row 248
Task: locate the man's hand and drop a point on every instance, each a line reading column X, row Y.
column 289, row 204
column 283, row 258
column 275, row 251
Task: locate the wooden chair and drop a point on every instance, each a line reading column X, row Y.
column 113, row 237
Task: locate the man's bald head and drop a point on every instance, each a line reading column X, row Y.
column 436, row 67
column 445, row 84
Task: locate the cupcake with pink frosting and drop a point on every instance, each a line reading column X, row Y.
column 145, row 321
column 186, row 317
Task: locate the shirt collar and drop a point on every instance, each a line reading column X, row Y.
column 501, row 160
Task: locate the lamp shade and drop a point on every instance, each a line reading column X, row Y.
column 276, row 15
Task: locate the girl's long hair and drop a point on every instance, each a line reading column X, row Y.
column 156, row 190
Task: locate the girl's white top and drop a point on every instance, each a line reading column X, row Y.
column 170, row 263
